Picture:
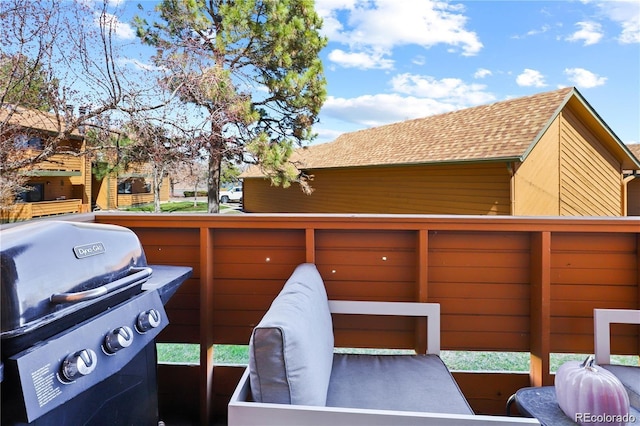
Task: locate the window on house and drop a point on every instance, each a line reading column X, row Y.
column 124, row 187
column 25, row 141
column 35, row 194
column 133, row 185
column 34, row 143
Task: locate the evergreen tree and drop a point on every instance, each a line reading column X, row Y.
column 252, row 66
column 24, row 82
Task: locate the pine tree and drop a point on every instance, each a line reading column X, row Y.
column 253, row 67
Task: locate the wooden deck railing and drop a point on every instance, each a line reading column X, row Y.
column 504, row 284
column 63, row 162
column 26, row 211
column 127, row 200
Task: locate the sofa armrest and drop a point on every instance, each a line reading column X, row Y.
column 602, row 319
column 417, row 309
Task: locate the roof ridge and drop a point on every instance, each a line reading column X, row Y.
column 456, row 111
column 498, row 131
column 503, row 129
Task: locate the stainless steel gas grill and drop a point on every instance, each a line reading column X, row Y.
column 80, row 310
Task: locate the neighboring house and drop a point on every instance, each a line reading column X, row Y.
column 548, row 154
column 59, row 185
column 126, row 189
column 632, row 180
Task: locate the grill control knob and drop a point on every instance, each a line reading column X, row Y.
column 79, row 364
column 117, row 339
column 148, row 320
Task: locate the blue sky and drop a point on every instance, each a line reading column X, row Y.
column 392, row 60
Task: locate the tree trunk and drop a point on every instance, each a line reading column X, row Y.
column 195, row 193
column 213, row 181
column 157, row 183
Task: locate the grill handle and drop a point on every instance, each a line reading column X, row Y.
column 139, row 274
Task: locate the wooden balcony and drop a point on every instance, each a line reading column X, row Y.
column 505, row 284
column 26, row 211
column 60, row 164
column 127, row 200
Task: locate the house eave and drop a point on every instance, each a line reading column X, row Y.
column 458, row 161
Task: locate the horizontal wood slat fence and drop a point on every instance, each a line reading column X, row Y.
column 26, row 211
column 504, row 284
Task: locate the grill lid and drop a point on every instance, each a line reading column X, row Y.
column 52, row 269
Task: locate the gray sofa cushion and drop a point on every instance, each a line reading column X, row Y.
column 291, row 349
column 630, row 378
column 395, row 382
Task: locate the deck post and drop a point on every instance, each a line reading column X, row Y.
column 206, row 324
column 422, row 288
column 540, row 333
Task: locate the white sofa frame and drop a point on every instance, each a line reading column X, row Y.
column 602, row 320
column 243, row 411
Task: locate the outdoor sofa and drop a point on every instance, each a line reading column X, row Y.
column 295, row 378
column 628, row 375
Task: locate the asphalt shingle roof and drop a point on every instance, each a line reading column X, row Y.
column 33, row 119
column 635, row 149
column 500, row 130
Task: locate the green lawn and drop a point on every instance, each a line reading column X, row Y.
column 179, row 207
column 175, row 207
column 455, row 360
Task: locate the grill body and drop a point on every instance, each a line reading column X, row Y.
column 79, row 326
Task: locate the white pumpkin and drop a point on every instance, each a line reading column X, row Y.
column 589, row 394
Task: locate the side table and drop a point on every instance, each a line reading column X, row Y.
column 540, row 402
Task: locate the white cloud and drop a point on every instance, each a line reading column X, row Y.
column 419, row 60
column 416, row 96
column 378, row 26
column 532, row 33
column 359, row 60
column 627, row 14
column 449, row 90
column 530, row 77
column 376, row 110
column 482, row 73
column 122, row 30
column 582, row 78
column 630, row 32
column 542, row 30
column 139, row 65
column 324, row 134
column 100, row 3
column 589, row 32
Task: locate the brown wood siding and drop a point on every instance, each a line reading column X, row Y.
column 504, row 284
column 141, row 197
column 87, row 175
column 633, row 197
column 590, row 176
column 436, row 189
column 165, row 192
column 61, row 162
column 180, row 247
column 587, row 271
column 128, row 200
column 26, row 211
column 493, row 269
column 249, row 267
column 105, row 192
column 55, row 187
column 537, row 180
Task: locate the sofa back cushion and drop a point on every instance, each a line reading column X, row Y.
column 291, row 349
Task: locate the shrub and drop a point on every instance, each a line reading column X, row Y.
column 190, row 193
